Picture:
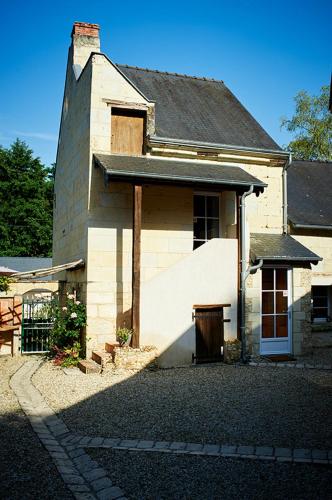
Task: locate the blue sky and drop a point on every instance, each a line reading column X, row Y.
column 265, row 51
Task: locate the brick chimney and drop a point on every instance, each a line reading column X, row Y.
column 85, row 39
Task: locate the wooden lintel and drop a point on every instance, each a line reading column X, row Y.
column 136, row 263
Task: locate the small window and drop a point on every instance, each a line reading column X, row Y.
column 128, row 130
column 320, row 303
column 206, row 218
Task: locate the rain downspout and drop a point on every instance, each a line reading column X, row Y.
column 244, row 270
column 284, row 195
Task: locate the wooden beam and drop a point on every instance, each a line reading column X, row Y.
column 136, row 263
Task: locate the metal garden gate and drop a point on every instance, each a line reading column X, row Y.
column 37, row 322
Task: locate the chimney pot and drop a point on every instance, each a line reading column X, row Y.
column 85, row 29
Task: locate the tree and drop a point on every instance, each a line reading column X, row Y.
column 312, row 125
column 26, row 193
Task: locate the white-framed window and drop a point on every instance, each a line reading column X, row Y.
column 320, row 296
column 206, row 217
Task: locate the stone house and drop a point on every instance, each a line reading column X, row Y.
column 175, row 197
column 310, row 223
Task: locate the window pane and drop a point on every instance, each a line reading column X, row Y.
column 199, row 206
column 320, row 302
column 198, row 244
column 281, row 326
column 268, row 303
column 281, row 302
column 319, row 291
column 212, row 228
column 212, row 206
column 267, row 327
column 267, row 279
column 281, row 279
column 199, row 229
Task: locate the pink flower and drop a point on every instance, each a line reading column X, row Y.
column 77, row 302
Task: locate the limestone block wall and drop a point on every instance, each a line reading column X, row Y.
column 321, row 244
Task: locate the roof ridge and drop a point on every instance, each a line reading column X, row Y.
column 181, row 75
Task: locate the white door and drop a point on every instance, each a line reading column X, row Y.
column 276, row 324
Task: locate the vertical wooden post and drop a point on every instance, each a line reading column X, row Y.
column 136, row 263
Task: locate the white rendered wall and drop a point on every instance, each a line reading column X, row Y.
column 206, row 276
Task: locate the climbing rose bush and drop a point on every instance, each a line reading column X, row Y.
column 68, row 323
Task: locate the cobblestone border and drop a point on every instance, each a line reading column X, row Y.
column 290, row 364
column 82, row 475
column 297, row 455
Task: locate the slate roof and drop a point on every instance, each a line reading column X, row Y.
column 309, row 193
column 147, row 168
column 22, row 264
column 198, row 109
column 281, row 247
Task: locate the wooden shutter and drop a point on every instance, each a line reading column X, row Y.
column 127, row 130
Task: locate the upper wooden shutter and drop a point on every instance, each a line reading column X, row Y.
column 127, row 130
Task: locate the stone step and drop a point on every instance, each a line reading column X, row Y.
column 110, row 346
column 101, row 357
column 88, row 366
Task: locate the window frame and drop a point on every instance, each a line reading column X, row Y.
column 206, row 194
column 321, row 319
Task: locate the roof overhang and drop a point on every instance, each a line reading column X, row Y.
column 281, row 248
column 47, row 271
column 319, row 227
column 199, row 174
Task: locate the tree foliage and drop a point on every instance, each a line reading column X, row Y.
column 26, row 192
column 312, row 126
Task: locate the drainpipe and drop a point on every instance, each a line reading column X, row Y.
column 284, row 195
column 244, row 271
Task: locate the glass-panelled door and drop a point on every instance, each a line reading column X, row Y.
column 276, row 303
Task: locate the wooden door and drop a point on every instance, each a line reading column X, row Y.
column 127, row 129
column 209, row 325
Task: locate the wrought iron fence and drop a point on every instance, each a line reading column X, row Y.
column 37, row 323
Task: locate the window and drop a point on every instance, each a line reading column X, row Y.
column 206, row 218
column 127, row 130
column 320, row 303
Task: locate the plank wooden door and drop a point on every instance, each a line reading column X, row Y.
column 209, row 325
column 127, row 129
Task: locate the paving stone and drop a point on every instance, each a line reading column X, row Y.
column 79, row 488
column 283, row 452
column 162, row 445
column 56, row 447
column 284, row 459
column 142, row 444
column 177, row 445
column 266, row 451
column 110, row 442
column 301, row 453
column 78, row 452
column 101, row 483
column 246, row 450
column 211, row 448
column 67, row 470
column 84, row 496
column 57, row 454
column 194, row 447
column 319, row 454
column 84, row 441
column 96, row 441
column 72, row 479
column 110, row 493
column 129, row 443
column 225, row 449
column 93, row 474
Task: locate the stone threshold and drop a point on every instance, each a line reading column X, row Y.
column 291, row 364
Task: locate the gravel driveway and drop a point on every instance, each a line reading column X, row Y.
column 26, row 470
column 157, row 476
column 206, row 404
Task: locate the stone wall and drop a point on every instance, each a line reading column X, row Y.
column 135, row 359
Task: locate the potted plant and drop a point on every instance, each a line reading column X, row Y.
column 124, row 335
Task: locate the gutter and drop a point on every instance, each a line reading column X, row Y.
column 312, row 226
column 210, row 145
column 244, row 272
column 284, row 195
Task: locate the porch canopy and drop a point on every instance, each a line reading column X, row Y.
column 280, row 247
column 199, row 174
